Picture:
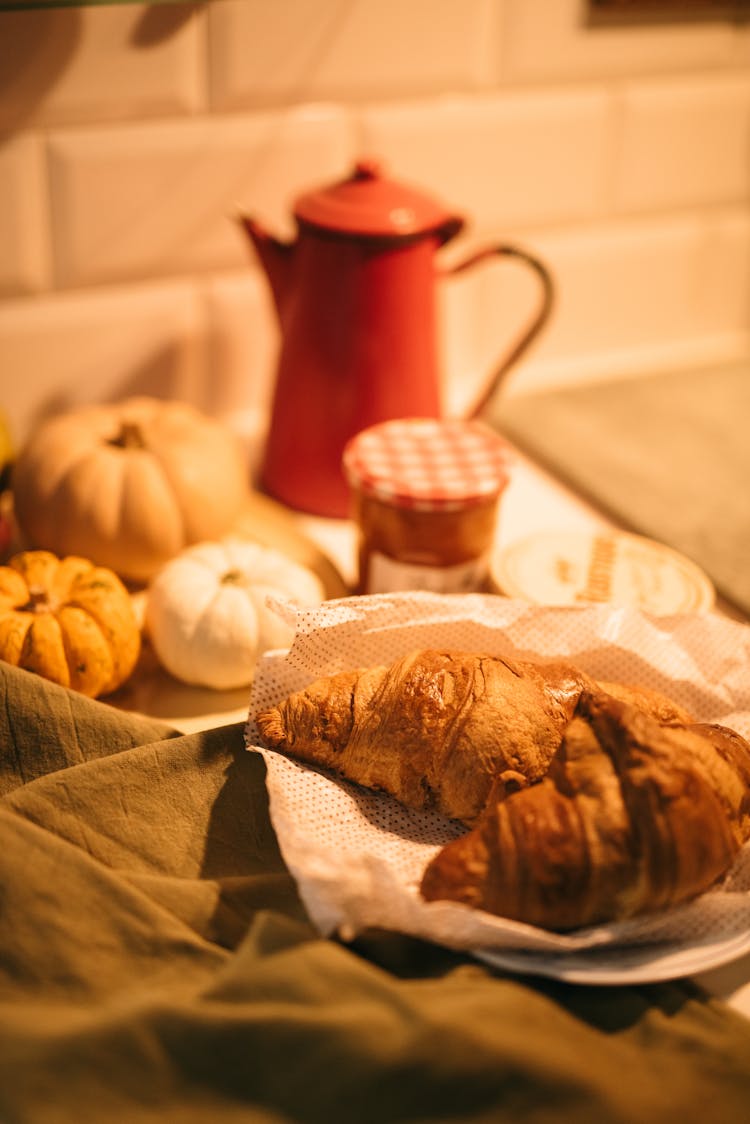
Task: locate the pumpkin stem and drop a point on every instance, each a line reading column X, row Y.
column 129, row 437
column 233, row 577
column 38, row 602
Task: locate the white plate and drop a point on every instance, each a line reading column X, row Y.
column 358, row 857
column 636, row 965
column 612, row 567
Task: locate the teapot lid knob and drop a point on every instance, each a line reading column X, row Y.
column 369, row 204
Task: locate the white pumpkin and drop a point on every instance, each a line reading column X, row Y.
column 206, row 611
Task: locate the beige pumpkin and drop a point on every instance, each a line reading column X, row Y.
column 206, row 612
column 67, row 620
column 129, row 485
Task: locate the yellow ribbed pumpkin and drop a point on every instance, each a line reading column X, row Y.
column 67, row 620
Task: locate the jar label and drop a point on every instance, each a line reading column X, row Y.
column 386, row 575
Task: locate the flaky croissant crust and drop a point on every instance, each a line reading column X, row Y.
column 438, row 728
column 632, row 816
column 591, row 801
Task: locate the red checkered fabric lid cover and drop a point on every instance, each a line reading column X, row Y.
column 427, row 464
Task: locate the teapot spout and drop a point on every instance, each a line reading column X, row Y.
column 275, row 256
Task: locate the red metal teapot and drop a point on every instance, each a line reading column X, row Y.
column 356, row 301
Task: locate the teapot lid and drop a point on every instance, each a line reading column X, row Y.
column 367, row 203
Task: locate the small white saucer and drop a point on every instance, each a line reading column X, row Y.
column 610, row 567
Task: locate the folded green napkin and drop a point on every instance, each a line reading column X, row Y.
column 156, row 964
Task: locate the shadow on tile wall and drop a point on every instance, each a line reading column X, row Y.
column 34, row 51
column 159, row 375
column 160, row 22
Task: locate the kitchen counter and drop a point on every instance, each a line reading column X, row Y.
column 664, row 454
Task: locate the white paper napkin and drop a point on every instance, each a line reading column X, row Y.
column 358, row 856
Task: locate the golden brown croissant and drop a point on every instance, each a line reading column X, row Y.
column 438, row 729
column 631, row 816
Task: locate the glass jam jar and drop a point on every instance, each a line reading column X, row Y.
column 425, row 496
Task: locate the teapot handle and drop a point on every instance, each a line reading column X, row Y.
column 536, row 323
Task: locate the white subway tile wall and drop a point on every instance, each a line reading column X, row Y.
column 502, row 160
column 162, row 198
column 684, row 142
column 346, row 50
column 544, row 40
column 65, row 348
column 132, row 136
column 24, row 215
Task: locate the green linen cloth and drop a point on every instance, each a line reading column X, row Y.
column 156, row 964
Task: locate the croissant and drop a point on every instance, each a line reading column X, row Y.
column 439, row 729
column 631, row 816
